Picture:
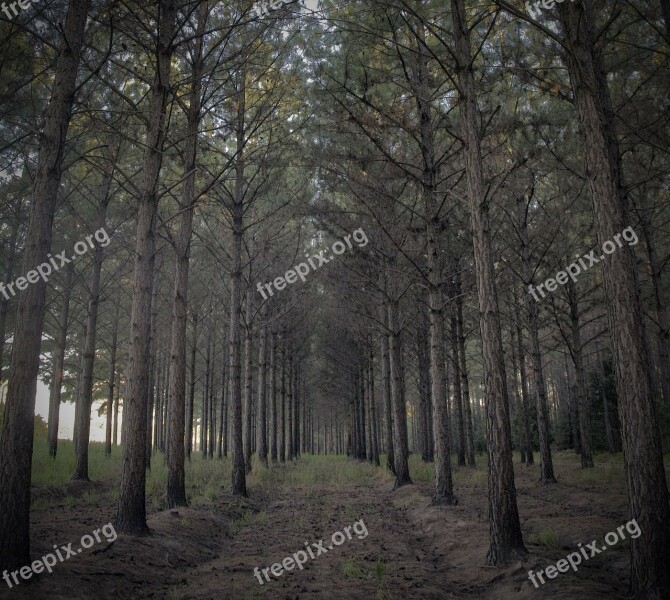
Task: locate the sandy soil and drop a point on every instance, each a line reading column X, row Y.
column 412, row 550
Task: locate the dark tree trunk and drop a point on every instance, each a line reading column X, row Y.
column 191, row 394
column 16, row 441
column 525, row 396
column 578, row 360
column 176, row 489
column 7, row 278
column 463, row 368
column 131, row 515
column 423, row 365
column 400, row 451
column 262, row 433
column 546, row 463
column 112, row 379
column 85, row 395
column 248, row 377
column 282, row 420
column 458, row 394
column 505, row 528
column 59, row 364
column 643, row 457
column 273, row 397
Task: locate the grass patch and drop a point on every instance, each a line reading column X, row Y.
column 544, row 537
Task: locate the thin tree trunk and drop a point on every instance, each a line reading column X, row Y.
column 261, row 432
column 400, row 452
column 282, row 436
column 546, row 463
column 525, row 396
column 191, row 394
column 273, row 397
column 582, row 397
column 59, row 364
column 112, row 379
column 248, row 377
column 115, row 428
column 239, row 486
column 463, row 368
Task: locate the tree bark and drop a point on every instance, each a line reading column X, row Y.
column 463, row 369
column 191, row 394
column 645, row 473
column 505, row 528
column 400, row 451
column 59, row 364
column 273, row 397
column 262, row 434
column 112, row 379
column 176, row 487
column 16, row 441
column 131, row 514
column 577, row 352
column 546, row 463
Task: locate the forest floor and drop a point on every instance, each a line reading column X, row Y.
column 412, row 550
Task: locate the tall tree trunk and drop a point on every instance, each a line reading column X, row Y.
column 463, row 368
column 176, row 487
column 546, row 463
column 239, row 486
column 205, row 427
column 582, row 398
column 525, row 400
column 261, row 432
column 115, row 427
column 505, row 528
column 458, row 393
column 282, row 423
column 273, row 397
column 191, row 393
column 59, row 364
column 16, row 442
column 85, row 395
column 643, row 457
column 373, row 410
column 7, row 278
column 112, row 379
column 248, row 376
column 662, row 315
column 131, row 514
column 400, row 451
column 423, row 365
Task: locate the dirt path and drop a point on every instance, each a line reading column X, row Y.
column 411, row 550
column 393, row 560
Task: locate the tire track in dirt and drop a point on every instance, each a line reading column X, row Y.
column 393, row 561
